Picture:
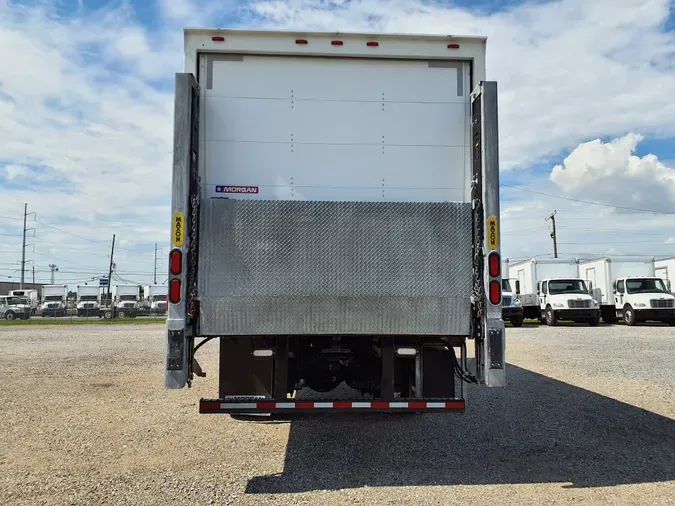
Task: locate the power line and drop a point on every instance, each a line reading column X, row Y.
column 587, row 201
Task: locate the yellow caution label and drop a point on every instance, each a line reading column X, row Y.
column 178, row 235
column 492, row 232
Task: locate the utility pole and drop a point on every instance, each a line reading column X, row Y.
column 23, row 244
column 553, row 234
column 112, row 252
column 155, row 277
column 33, row 276
column 54, row 269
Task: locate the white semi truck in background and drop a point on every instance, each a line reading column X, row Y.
column 54, row 300
column 31, row 295
column 335, row 219
column 154, row 299
column 551, row 290
column 88, row 300
column 126, row 300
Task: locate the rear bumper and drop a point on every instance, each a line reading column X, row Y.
column 243, row 406
column 655, row 314
column 577, row 314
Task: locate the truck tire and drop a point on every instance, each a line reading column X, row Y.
column 121, row 314
column 594, row 322
column 108, row 314
column 10, row 315
column 629, row 316
column 549, row 315
column 517, row 321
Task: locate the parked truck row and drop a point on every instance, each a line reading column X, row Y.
column 127, row 300
column 611, row 289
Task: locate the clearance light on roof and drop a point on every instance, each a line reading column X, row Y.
column 453, row 46
column 372, row 43
column 218, row 38
column 301, row 41
column 336, row 43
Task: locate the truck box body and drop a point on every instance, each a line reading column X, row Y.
column 154, row 298
column 32, row 296
column 88, row 300
column 529, row 272
column 665, row 269
column 335, row 195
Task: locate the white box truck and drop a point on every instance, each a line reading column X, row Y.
column 54, row 300
column 629, row 289
column 335, row 219
column 601, row 275
column 32, row 295
column 665, row 269
column 154, row 299
column 551, row 290
column 126, row 300
column 88, row 300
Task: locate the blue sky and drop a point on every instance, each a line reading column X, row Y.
column 586, row 113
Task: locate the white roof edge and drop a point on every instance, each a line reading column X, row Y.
column 262, row 33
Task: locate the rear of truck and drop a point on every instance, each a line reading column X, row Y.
column 335, row 220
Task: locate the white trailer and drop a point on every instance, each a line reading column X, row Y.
column 665, row 269
column 126, row 300
column 88, row 300
column 601, row 274
column 335, row 218
column 512, row 307
column 530, row 272
column 32, row 295
column 54, row 300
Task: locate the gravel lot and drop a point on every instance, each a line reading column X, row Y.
column 589, row 415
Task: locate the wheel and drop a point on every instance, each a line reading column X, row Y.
column 9, row 315
column 594, row 322
column 551, row 320
column 121, row 314
column 108, row 315
column 517, row 321
column 629, row 316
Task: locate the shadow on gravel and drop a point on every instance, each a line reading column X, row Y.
column 537, row 430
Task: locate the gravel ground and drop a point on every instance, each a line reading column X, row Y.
column 588, row 416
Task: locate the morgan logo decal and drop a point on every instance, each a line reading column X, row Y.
column 492, row 232
column 237, row 189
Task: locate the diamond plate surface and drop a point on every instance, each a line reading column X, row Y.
column 270, row 267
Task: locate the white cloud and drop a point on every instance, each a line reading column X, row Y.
column 670, row 240
column 610, row 173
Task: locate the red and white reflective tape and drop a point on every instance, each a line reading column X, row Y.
column 218, row 406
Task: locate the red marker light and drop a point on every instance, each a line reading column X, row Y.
column 174, row 291
column 372, row 43
column 495, row 292
column 494, row 265
column 176, row 262
column 300, row 41
column 453, row 46
column 218, row 38
column 336, row 43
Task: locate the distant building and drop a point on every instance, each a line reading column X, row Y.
column 6, row 286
